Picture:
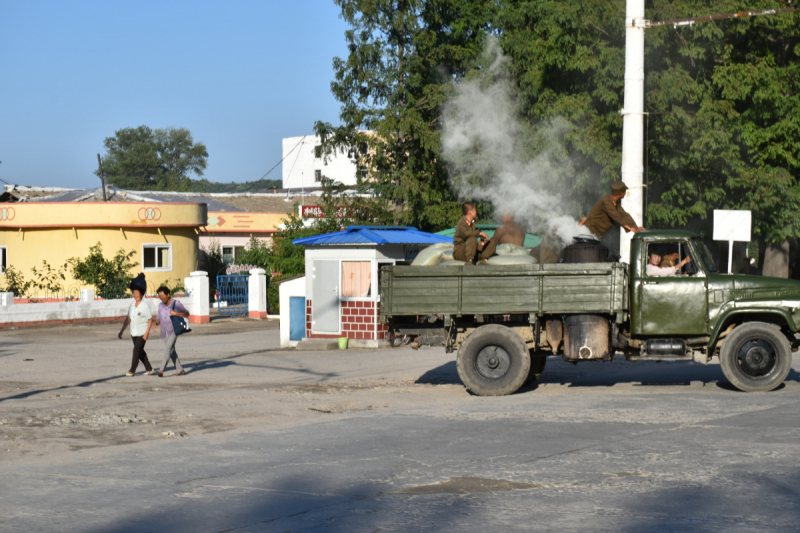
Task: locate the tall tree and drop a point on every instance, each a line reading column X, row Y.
column 403, row 57
column 722, row 98
column 145, row 159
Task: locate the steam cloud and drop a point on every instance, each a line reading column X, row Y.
column 483, row 144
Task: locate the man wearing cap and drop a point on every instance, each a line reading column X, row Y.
column 607, row 211
column 465, row 242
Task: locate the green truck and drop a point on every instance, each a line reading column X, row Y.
column 505, row 320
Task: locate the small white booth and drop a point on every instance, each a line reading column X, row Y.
column 292, row 293
column 342, row 277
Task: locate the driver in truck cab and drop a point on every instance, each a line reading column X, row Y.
column 654, row 267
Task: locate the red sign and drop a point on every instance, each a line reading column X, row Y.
column 316, row 211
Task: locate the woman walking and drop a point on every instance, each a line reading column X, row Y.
column 140, row 317
column 167, row 309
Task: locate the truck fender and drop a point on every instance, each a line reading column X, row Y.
column 780, row 316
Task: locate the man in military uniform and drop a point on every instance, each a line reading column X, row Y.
column 607, row 211
column 465, row 241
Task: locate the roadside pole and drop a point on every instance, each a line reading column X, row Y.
column 632, row 121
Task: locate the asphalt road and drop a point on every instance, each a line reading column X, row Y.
column 258, row 439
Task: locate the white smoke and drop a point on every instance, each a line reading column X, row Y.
column 484, row 144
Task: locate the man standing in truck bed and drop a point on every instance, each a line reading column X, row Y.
column 607, row 211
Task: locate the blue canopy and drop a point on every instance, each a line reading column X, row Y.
column 375, row 235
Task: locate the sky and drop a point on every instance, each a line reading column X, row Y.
column 238, row 75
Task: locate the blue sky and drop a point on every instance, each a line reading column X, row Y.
column 239, row 75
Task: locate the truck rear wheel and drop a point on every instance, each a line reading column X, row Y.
column 493, row 361
column 756, row 357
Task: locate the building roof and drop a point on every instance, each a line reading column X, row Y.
column 255, row 202
column 374, row 235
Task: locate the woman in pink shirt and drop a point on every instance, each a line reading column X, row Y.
column 166, row 310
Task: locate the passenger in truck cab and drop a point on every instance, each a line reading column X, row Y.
column 654, row 267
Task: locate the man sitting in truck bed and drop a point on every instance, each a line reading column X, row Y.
column 465, row 241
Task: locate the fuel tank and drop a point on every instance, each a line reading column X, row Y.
column 586, row 337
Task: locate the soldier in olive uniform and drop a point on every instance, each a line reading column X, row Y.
column 607, row 211
column 465, row 241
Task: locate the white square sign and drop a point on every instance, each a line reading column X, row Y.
column 732, row 225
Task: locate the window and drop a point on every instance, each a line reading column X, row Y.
column 356, row 279
column 318, row 152
column 231, row 253
column 363, row 149
column 317, row 176
column 3, row 260
column 663, row 258
column 156, row 257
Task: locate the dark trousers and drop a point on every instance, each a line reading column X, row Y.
column 139, row 354
column 468, row 250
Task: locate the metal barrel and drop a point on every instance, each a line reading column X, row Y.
column 586, row 336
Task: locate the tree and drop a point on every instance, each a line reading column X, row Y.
column 403, row 56
column 145, row 159
column 722, row 96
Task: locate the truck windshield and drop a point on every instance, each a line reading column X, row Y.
column 705, row 256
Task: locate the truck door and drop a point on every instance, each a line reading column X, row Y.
column 673, row 300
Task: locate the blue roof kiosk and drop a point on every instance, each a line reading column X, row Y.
column 342, row 270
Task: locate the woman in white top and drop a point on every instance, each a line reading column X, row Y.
column 140, row 317
column 654, row 267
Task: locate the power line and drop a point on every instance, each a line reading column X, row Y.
column 295, row 160
column 281, row 161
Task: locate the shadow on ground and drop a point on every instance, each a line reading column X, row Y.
column 599, row 374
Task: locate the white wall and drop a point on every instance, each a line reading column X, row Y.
column 294, row 287
column 299, row 166
column 49, row 312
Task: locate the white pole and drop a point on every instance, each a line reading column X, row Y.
column 632, row 123
column 730, row 257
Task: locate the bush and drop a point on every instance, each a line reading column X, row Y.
column 15, row 282
column 211, row 261
column 109, row 277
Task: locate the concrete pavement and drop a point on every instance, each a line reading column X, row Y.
column 382, row 440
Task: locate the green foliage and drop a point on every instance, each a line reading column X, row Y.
column 211, row 261
column 274, row 296
column 145, row 159
column 110, row 277
column 257, row 253
column 403, row 57
column 16, row 282
column 247, row 186
column 723, row 100
column 49, row 279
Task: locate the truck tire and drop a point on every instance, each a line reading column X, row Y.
column 493, row 361
column 537, row 366
column 756, row 357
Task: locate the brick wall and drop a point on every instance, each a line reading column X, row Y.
column 358, row 321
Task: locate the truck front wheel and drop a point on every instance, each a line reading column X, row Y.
column 756, row 357
column 493, row 361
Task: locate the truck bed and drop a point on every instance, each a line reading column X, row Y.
column 509, row 289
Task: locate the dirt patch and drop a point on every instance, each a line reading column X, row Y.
column 468, row 485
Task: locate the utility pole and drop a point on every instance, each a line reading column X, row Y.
column 633, row 110
column 632, row 123
column 102, row 178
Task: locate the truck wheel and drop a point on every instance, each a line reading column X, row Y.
column 537, row 367
column 493, row 361
column 756, row 357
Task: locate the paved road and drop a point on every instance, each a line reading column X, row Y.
column 378, row 440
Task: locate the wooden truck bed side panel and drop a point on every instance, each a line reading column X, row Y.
column 539, row 289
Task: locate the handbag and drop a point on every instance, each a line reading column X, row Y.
column 179, row 324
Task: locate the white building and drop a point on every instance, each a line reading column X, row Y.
column 303, row 164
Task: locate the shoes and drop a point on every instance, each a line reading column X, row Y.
column 158, row 373
column 129, row 375
column 181, row 373
column 150, row 372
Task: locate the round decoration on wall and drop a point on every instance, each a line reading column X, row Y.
column 149, row 213
column 7, row 213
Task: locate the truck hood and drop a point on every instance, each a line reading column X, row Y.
column 755, row 291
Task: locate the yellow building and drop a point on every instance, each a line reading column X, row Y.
column 163, row 235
